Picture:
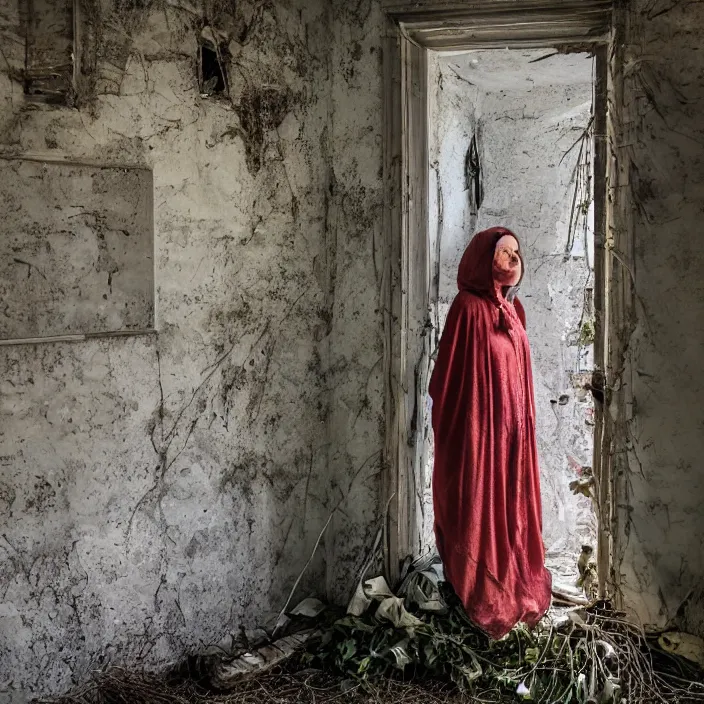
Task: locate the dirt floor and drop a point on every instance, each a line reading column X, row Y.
column 308, row 686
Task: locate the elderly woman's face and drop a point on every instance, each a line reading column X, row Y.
column 507, row 263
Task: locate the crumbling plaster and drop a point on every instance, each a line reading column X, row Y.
column 159, row 492
column 527, row 115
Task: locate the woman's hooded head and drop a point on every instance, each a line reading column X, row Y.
column 483, row 267
column 486, row 270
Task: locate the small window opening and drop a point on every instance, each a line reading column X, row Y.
column 213, row 71
column 49, row 49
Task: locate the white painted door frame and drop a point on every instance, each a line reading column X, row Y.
column 411, row 30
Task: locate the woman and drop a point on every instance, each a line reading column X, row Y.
column 486, row 486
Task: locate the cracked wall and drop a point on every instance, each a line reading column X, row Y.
column 527, row 117
column 655, row 375
column 159, row 492
column 355, row 376
column 153, row 490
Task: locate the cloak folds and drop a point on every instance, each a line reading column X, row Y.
column 486, row 485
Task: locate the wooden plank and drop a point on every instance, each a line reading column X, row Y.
column 619, row 311
column 405, row 284
column 528, row 39
column 508, row 30
column 78, row 338
column 390, row 282
column 600, row 340
column 597, row 16
column 416, row 282
column 448, row 8
column 513, row 23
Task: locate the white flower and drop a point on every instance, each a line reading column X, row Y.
column 523, row 691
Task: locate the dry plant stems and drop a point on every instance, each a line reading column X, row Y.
column 302, row 572
column 582, row 194
column 283, row 687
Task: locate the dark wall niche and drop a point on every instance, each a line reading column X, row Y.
column 212, row 64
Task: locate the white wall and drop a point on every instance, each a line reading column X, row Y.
column 157, row 493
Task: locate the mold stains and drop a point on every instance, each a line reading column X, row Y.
column 50, row 136
column 261, row 108
column 241, row 476
column 361, row 206
column 7, row 496
column 42, row 496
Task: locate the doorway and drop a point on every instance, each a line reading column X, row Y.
column 511, row 143
column 414, row 33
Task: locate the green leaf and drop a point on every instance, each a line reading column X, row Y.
column 430, row 653
column 347, row 648
column 532, row 655
column 354, row 624
column 364, row 665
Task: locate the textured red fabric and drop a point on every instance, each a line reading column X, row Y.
column 486, row 485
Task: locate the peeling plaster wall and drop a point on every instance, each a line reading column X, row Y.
column 656, row 231
column 355, row 375
column 158, row 492
column 527, row 116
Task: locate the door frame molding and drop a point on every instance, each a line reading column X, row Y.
column 411, row 29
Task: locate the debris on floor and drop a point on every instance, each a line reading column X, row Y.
column 684, row 645
column 259, row 661
column 414, row 644
column 591, row 654
column 299, row 686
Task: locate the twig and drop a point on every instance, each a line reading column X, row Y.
column 543, row 57
column 579, row 139
column 300, row 576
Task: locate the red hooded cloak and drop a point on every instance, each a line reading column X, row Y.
column 486, row 485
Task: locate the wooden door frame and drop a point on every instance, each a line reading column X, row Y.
column 411, row 30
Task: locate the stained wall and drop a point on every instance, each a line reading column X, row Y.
column 657, row 191
column 157, row 492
